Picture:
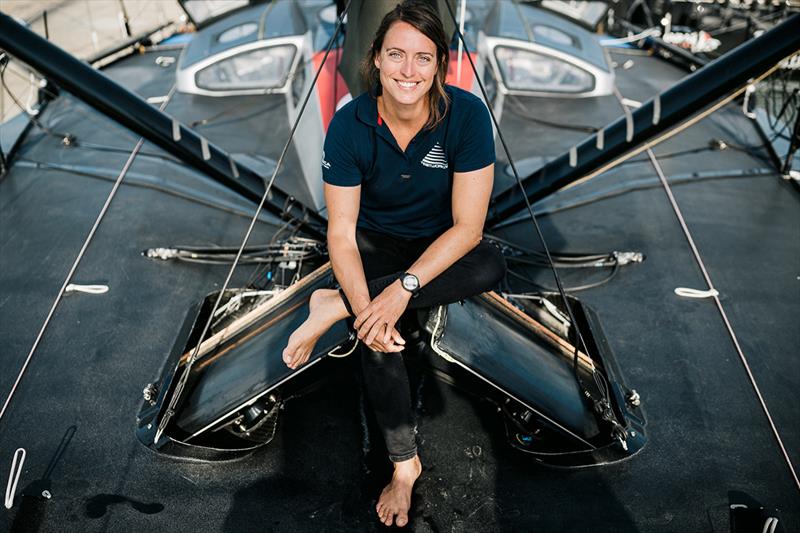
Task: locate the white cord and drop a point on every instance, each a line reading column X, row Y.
column 332, row 354
column 434, row 345
column 13, row 476
column 630, row 102
column 88, row 289
column 770, row 525
column 631, row 38
column 686, row 292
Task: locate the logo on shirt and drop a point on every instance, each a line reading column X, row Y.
column 325, row 164
column 435, row 158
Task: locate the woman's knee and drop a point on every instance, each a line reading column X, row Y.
column 490, row 265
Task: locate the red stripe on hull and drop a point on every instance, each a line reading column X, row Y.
column 467, row 76
column 330, row 85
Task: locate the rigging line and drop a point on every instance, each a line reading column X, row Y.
column 580, row 341
column 33, row 118
column 188, row 366
column 742, row 357
column 46, row 90
column 671, row 132
column 74, row 267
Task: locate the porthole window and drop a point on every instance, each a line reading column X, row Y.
column 265, row 68
column 524, row 70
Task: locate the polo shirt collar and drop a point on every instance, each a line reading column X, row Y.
column 367, row 109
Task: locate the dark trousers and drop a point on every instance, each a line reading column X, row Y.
column 385, row 257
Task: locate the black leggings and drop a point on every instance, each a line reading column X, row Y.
column 385, row 257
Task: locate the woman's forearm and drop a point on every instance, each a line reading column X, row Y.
column 349, row 271
column 451, row 246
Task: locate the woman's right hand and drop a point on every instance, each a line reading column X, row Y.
column 394, row 345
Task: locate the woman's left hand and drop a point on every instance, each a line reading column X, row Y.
column 381, row 315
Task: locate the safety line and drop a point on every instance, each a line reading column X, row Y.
column 72, row 270
column 178, row 391
column 742, row 357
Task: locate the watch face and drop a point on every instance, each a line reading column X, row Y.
column 410, row 282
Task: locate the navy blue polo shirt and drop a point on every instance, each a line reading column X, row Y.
column 407, row 194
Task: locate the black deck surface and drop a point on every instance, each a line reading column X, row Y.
column 707, row 433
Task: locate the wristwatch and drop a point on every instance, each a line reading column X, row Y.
column 410, row 282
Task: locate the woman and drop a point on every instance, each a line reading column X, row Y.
column 408, row 170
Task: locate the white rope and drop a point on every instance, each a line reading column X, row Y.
column 88, row 289
column 742, row 357
column 13, row 476
column 440, row 312
column 75, row 264
column 333, row 354
column 686, row 292
column 631, row 38
column 630, row 102
column 770, row 525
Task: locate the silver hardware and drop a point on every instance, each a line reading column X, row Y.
column 162, row 253
column 633, row 398
column 623, row 258
column 746, row 102
column 150, row 393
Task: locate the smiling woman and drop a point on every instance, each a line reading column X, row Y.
column 408, row 170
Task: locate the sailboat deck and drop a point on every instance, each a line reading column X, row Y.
column 707, row 432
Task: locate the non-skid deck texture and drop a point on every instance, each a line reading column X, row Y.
column 707, row 433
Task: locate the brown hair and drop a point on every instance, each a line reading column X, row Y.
column 424, row 18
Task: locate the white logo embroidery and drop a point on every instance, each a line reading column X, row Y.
column 325, row 164
column 435, row 158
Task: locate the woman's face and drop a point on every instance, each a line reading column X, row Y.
column 407, row 64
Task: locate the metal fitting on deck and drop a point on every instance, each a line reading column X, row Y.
column 623, row 258
column 161, row 253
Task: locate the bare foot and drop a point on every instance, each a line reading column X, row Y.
column 395, row 500
column 325, row 309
